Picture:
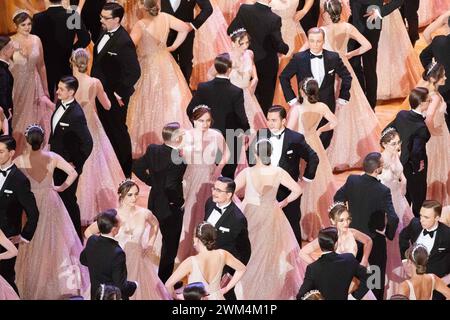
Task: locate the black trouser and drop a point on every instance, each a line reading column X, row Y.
column 267, row 79
column 409, row 13
column 184, row 53
column 230, row 295
column 7, row 270
column 170, row 230
column 311, row 19
column 235, row 146
column 114, row 123
column 367, row 75
column 378, row 257
column 416, row 189
column 69, row 197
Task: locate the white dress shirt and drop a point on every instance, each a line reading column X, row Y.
column 277, row 148
column 60, row 112
column 105, row 39
column 318, row 68
column 3, row 178
column 216, row 215
column 175, row 4
column 427, row 241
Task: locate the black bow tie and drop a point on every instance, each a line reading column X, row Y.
column 220, row 210
column 110, row 34
column 431, row 233
column 4, row 172
column 278, row 136
column 312, row 56
column 64, row 106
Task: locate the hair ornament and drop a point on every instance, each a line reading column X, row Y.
column 31, row 126
column 125, row 181
column 20, row 11
column 201, row 106
column 388, row 130
column 310, row 293
column 237, row 31
column 335, row 204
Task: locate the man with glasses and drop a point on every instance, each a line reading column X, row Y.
column 230, row 222
column 370, row 203
column 414, row 133
column 117, row 67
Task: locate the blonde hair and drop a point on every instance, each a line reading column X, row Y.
column 151, row 6
column 80, row 59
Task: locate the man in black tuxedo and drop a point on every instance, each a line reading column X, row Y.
column 370, row 203
column 289, row 147
column 323, row 66
column 439, row 49
column 311, row 18
column 264, row 29
column 226, row 102
column 57, row 28
column 414, row 134
column 434, row 235
column 104, row 257
column 366, row 16
column 230, row 222
column 117, row 67
column 6, row 79
column 90, row 15
column 71, row 139
column 162, row 167
column 184, row 10
column 15, row 197
column 332, row 273
column 409, row 11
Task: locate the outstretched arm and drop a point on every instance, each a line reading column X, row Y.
column 68, row 169
column 184, row 269
column 91, row 230
column 358, row 37
column 307, row 251
column 435, row 25
column 239, row 268
column 291, row 184
column 332, row 120
column 367, row 243
column 102, row 96
column 11, row 250
column 182, row 29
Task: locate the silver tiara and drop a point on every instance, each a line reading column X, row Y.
column 125, row 181
column 201, row 226
column 305, row 84
column 16, row 13
column 237, row 31
column 31, row 126
column 334, row 205
column 433, row 64
column 201, row 106
column 261, row 141
column 385, row 132
column 310, row 293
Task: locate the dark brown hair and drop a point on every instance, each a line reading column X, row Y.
column 125, row 187
column 418, row 254
column 151, row 6
column 388, row 136
column 222, row 63
column 435, row 71
column 207, row 234
column 278, row 109
column 417, row 96
column 433, row 204
column 21, row 17
column 311, row 88
column 336, row 211
column 200, row 111
column 334, row 9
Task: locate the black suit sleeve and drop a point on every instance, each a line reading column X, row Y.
column 83, row 258
column 388, row 8
column 417, row 151
column 341, row 194
column 236, row 23
column 285, row 78
column 82, row 131
column 172, row 186
column 277, row 40
column 28, row 202
column 195, row 101
column 405, row 238
column 141, row 167
column 239, row 110
column 427, row 55
column 392, row 218
column 243, row 245
column 311, row 158
column 361, row 275
column 308, row 283
column 346, row 77
column 206, row 10
column 83, row 36
column 131, row 71
column 119, row 275
column 4, row 100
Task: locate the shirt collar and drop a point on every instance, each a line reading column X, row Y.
column 223, row 206
column 55, row 5
column 326, row 252
column 222, row 77
column 7, row 168
column 317, row 54
column 5, row 61
column 264, row 4
column 114, row 30
column 106, row 236
column 433, row 228
column 413, row 110
column 171, row 147
column 66, row 104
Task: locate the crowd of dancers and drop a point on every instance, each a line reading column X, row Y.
column 237, row 119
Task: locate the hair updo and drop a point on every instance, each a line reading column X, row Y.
column 125, row 187
column 387, row 136
column 336, row 211
column 152, row 7
column 207, row 234
column 334, row 9
column 311, row 88
column 21, row 17
column 418, row 255
column 264, row 151
column 35, row 137
column 80, row 59
column 434, row 70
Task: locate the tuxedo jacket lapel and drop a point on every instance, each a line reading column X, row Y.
column 326, row 66
column 64, row 117
column 223, row 216
column 286, row 140
column 8, row 178
column 108, row 44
